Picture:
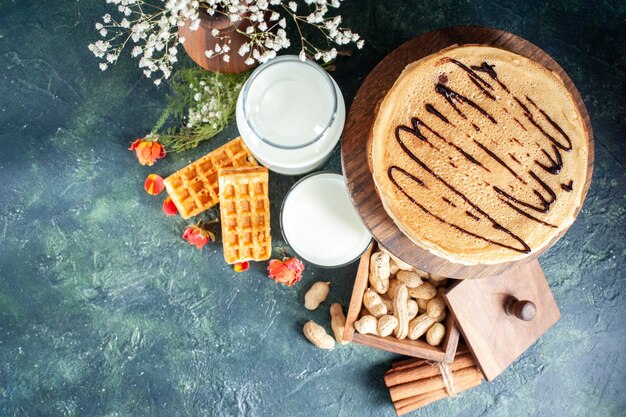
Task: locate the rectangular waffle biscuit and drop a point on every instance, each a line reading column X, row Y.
column 194, row 188
column 245, row 214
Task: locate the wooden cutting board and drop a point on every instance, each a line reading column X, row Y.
column 355, row 154
column 495, row 337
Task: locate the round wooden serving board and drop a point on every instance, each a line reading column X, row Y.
column 355, row 146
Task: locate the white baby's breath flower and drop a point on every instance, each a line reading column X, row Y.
column 302, row 56
column 103, row 66
column 195, row 24
column 154, row 31
column 244, row 49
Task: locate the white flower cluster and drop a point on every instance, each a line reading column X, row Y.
column 207, row 109
column 152, row 27
column 263, row 22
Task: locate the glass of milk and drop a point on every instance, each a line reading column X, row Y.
column 320, row 223
column 290, row 113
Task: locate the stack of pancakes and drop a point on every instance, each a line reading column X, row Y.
column 479, row 155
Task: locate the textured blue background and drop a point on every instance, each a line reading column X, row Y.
column 105, row 311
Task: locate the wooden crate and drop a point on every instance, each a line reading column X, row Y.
column 416, row 348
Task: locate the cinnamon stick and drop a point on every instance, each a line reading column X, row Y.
column 413, row 403
column 415, row 383
column 402, row 375
column 414, row 362
column 407, row 363
column 433, row 383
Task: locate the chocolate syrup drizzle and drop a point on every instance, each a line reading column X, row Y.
column 555, row 163
column 488, row 69
column 472, row 216
column 524, row 247
column 520, row 123
column 475, row 78
column 568, row 187
column 532, row 120
column 514, row 158
column 500, row 161
column 432, row 110
column 552, row 164
column 452, row 97
column 415, row 130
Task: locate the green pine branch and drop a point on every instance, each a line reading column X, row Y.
column 185, row 84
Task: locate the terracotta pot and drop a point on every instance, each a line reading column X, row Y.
column 200, row 40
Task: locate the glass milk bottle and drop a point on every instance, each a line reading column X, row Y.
column 290, row 114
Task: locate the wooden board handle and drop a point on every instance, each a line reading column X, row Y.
column 522, row 309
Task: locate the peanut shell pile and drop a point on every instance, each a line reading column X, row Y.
column 402, row 301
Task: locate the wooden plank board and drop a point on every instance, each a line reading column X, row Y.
column 356, row 301
column 495, row 338
column 355, row 148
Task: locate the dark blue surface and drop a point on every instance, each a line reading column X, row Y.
column 105, row 311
